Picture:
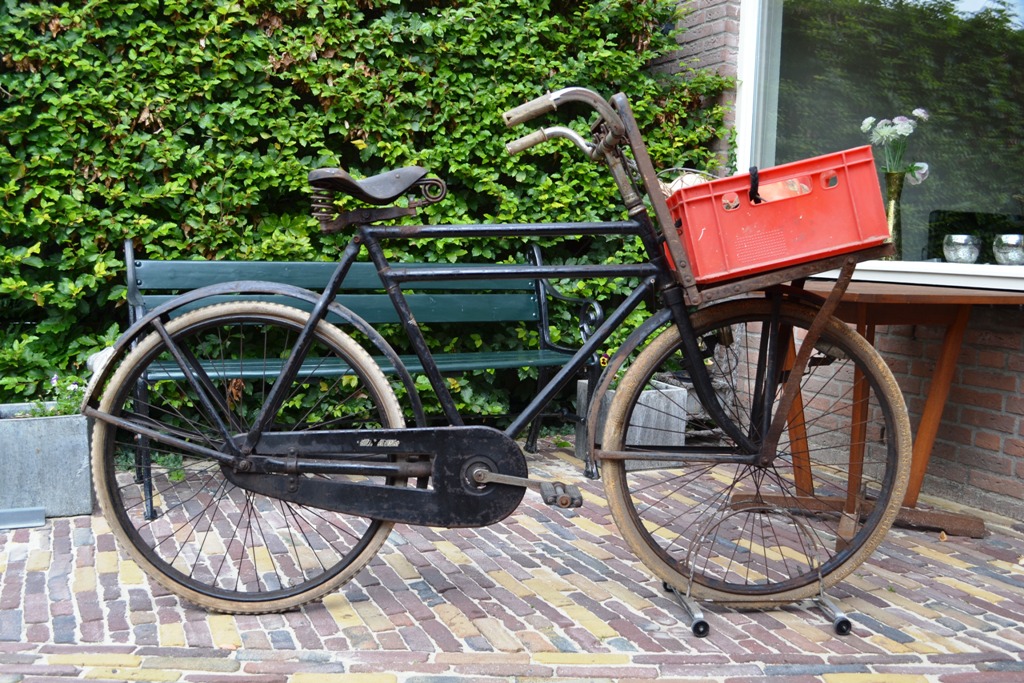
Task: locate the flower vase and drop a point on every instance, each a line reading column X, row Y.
column 893, row 192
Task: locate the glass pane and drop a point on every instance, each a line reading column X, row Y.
column 845, row 60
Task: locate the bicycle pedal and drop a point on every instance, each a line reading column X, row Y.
column 557, row 494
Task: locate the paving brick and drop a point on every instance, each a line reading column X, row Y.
column 498, row 635
column 99, row 659
column 342, row 678
column 39, row 561
column 442, row 637
column 18, row 672
column 36, row 609
column 11, row 625
column 181, row 663
column 37, row 633
column 64, row 627
column 542, row 594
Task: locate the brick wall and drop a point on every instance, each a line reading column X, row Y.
column 711, row 39
column 978, row 458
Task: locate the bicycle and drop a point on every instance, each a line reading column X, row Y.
column 252, row 456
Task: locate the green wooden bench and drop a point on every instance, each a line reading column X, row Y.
column 464, row 303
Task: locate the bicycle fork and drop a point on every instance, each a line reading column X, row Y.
column 770, row 445
column 770, row 416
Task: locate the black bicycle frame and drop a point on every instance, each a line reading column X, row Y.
column 615, row 127
column 653, row 275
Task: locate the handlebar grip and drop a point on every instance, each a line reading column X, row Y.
column 526, row 142
column 530, row 110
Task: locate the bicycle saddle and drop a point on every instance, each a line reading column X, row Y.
column 382, row 188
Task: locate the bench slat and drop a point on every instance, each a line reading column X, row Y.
column 186, row 275
column 334, row 367
column 459, row 302
column 377, row 308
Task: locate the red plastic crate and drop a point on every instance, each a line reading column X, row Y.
column 812, row 209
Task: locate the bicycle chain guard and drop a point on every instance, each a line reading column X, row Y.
column 452, row 500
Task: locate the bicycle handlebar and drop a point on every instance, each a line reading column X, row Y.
column 530, row 110
column 526, row 142
column 550, row 102
column 538, row 136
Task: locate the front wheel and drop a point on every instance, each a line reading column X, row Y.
column 177, row 511
column 736, row 532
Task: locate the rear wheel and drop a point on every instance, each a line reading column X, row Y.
column 176, row 510
column 734, row 532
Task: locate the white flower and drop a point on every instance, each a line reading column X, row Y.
column 54, row 380
column 891, row 136
column 918, row 173
column 903, row 126
column 884, row 132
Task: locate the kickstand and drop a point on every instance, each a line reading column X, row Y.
column 698, row 625
column 840, row 622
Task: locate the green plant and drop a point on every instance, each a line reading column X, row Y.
column 172, row 463
column 190, row 128
column 63, row 398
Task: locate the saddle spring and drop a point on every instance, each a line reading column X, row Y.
column 432, row 189
column 322, row 204
column 323, row 208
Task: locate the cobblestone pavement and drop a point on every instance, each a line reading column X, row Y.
column 544, row 594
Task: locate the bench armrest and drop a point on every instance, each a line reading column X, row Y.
column 588, row 311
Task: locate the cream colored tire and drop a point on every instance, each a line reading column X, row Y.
column 745, row 534
column 177, row 515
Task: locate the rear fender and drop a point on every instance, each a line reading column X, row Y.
column 195, row 299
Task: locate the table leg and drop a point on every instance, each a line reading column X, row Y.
column 859, row 427
column 938, row 392
column 798, row 436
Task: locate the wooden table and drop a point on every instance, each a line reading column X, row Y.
column 868, row 304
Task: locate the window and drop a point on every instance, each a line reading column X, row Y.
column 840, row 61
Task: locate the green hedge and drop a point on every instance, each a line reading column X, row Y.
column 190, row 127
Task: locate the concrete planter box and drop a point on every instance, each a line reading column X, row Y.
column 45, row 463
column 657, row 421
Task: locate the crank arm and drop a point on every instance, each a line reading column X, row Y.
column 552, row 492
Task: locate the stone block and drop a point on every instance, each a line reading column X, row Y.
column 45, row 462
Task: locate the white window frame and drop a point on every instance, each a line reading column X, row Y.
column 757, row 88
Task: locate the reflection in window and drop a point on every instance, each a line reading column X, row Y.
column 844, row 60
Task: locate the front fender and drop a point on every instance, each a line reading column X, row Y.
column 214, row 294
